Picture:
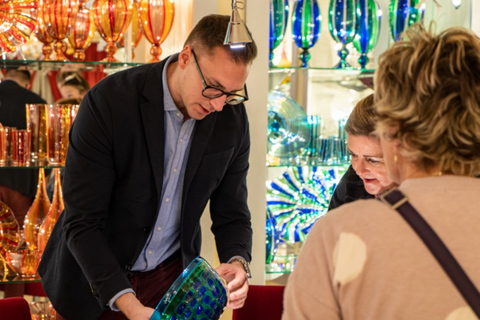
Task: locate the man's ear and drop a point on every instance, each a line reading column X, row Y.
column 185, row 56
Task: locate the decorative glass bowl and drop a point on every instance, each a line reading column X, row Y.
column 198, row 293
column 24, row 262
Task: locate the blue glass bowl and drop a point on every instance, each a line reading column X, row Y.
column 199, row 293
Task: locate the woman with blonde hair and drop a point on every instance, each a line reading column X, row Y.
column 363, row 260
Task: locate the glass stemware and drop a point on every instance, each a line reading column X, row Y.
column 82, row 32
column 306, row 21
column 59, row 17
column 278, row 24
column 404, row 13
column 342, row 25
column 112, row 18
column 157, row 19
column 368, row 28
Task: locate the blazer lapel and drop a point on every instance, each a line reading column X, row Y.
column 153, row 120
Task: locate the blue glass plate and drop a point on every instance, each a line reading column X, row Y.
column 199, row 293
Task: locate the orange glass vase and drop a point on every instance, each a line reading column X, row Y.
column 82, row 33
column 157, row 19
column 136, row 29
column 37, row 213
column 41, row 33
column 53, row 214
column 9, row 231
column 112, row 18
column 59, row 16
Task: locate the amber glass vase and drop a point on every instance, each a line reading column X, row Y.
column 9, row 235
column 37, row 212
column 112, row 18
column 41, row 33
column 82, row 33
column 53, row 214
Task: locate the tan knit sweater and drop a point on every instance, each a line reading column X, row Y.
column 363, row 261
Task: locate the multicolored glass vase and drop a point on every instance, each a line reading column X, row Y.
column 368, row 28
column 278, row 24
column 112, row 18
column 157, row 19
column 404, row 13
column 56, row 208
column 342, row 20
column 306, row 22
column 37, row 213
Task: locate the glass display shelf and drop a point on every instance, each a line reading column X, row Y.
column 107, row 67
column 34, row 166
column 14, row 278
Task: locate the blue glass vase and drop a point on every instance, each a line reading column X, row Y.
column 342, row 18
column 404, row 13
column 368, row 28
column 278, row 24
column 306, row 21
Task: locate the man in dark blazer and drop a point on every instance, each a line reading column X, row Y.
column 17, row 186
column 150, row 146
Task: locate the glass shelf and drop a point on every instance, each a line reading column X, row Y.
column 31, row 167
column 107, row 67
column 14, row 278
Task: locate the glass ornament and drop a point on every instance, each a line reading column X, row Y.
column 112, row 18
column 342, row 21
column 17, row 22
column 82, row 33
column 368, row 28
column 156, row 18
column 59, row 18
column 404, row 13
column 298, row 197
column 9, row 230
column 198, row 293
column 41, row 33
column 278, row 24
column 306, row 23
column 271, row 239
column 37, row 212
column 137, row 32
column 288, row 132
column 56, row 208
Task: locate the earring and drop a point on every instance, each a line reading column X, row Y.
column 395, row 159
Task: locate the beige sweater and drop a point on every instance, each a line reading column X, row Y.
column 363, row 261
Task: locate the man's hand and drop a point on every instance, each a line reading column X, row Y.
column 132, row 308
column 237, row 283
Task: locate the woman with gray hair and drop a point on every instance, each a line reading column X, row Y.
column 363, row 260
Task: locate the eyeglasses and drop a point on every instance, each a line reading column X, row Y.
column 212, row 92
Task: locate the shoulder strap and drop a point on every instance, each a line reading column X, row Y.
column 398, row 201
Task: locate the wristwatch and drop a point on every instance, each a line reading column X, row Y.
column 243, row 262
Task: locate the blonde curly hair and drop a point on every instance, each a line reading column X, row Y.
column 427, row 87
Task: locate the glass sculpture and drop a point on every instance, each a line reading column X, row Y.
column 306, row 22
column 342, row 21
column 278, row 24
column 198, row 293
column 41, row 33
column 136, row 29
column 368, row 28
column 82, row 33
column 157, row 19
column 17, row 22
column 288, row 132
column 404, row 13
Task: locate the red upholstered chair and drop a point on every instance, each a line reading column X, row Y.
column 34, row 289
column 263, row 303
column 15, row 308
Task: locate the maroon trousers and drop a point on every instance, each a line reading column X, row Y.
column 149, row 286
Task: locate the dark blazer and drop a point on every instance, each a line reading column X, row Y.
column 112, row 187
column 13, row 99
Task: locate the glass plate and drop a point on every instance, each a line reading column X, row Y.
column 199, row 293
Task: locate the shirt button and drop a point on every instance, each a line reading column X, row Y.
column 149, row 251
column 178, row 114
column 175, row 170
column 167, row 200
column 159, row 228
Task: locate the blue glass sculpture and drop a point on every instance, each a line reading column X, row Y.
column 278, row 24
column 404, row 13
column 271, row 239
column 342, row 18
column 306, row 21
column 368, row 28
column 288, row 133
column 298, row 197
column 198, row 293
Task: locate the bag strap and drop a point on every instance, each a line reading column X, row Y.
column 398, row 201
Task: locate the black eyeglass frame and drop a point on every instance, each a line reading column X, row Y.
column 226, row 93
